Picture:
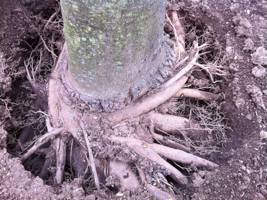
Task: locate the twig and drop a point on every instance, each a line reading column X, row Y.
column 47, row 48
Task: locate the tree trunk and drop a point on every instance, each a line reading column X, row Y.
column 116, row 48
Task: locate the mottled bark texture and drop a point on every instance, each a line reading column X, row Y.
column 116, row 48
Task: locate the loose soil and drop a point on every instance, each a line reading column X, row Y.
column 241, row 30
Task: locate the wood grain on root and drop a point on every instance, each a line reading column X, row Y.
column 60, row 159
column 171, row 123
column 182, row 157
column 144, row 149
column 196, row 94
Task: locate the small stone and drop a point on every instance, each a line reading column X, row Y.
column 233, row 67
column 249, row 44
column 244, row 27
column 264, row 92
column 256, row 95
column 249, row 116
column 260, row 56
column 259, row 72
column 239, row 102
column 263, row 134
column 197, row 180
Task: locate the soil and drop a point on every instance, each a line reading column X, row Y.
column 241, row 30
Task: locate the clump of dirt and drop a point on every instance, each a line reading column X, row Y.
column 29, row 50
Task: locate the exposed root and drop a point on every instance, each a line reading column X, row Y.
column 91, row 157
column 128, row 179
column 182, row 157
column 145, row 150
column 186, row 69
column 171, row 123
column 170, row 143
column 213, row 70
column 148, row 103
column 178, row 30
column 60, row 158
column 42, row 140
column 197, row 94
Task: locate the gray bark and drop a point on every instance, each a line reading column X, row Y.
column 114, row 46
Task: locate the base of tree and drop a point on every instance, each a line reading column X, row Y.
column 122, row 148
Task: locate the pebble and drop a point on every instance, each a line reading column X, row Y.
column 256, row 95
column 249, row 44
column 259, row 57
column 263, row 134
column 259, row 72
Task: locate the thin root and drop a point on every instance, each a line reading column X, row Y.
column 91, row 157
column 170, row 143
column 178, row 31
column 185, row 70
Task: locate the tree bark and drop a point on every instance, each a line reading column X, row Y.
column 115, row 47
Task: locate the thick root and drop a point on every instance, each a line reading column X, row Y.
column 182, row 157
column 61, row 159
column 145, row 150
column 197, row 94
column 42, row 140
column 171, row 123
column 149, row 103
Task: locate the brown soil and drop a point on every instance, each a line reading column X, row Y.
column 240, row 27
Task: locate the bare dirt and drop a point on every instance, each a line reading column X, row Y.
column 239, row 26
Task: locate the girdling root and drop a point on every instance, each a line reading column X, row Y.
column 70, row 124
